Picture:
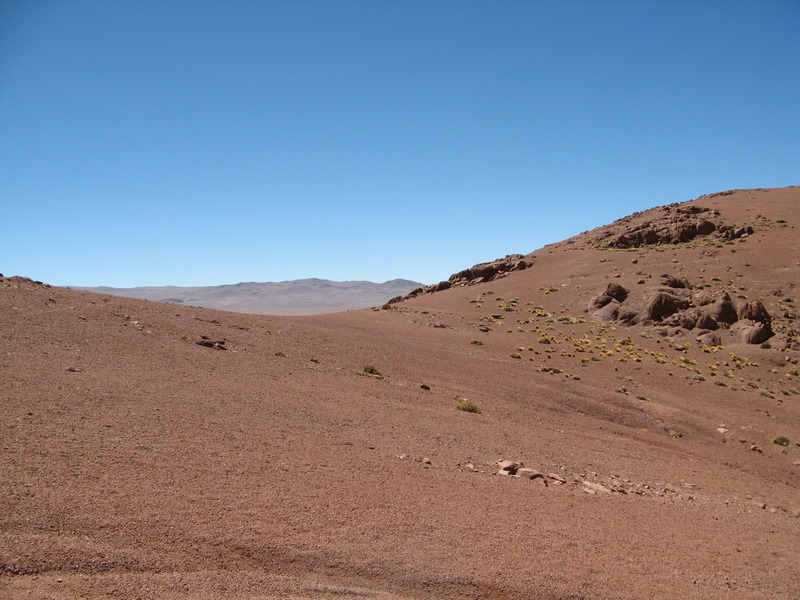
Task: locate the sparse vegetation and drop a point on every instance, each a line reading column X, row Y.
column 468, row 406
column 371, row 369
column 781, row 440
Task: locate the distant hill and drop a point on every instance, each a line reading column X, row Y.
column 298, row 297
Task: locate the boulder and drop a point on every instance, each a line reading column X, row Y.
column 609, row 312
column 754, row 311
column 723, row 310
column 676, row 282
column 617, row 292
column 706, row 321
column 599, row 302
column 663, row 305
column 702, row 298
column 754, row 333
column 520, row 265
column 629, row 316
column 621, row 242
column 705, row 227
column 709, row 338
column 682, row 233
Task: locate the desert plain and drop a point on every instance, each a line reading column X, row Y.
column 635, row 430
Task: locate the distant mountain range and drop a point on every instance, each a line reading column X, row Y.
column 298, row 297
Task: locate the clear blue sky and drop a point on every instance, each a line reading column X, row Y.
column 208, row 142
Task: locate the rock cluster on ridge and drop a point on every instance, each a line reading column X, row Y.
column 677, row 306
column 480, row 273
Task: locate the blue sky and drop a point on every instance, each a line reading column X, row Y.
column 210, row 142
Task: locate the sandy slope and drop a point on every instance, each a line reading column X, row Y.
column 138, row 464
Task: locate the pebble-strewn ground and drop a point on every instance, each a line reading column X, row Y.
column 158, row 451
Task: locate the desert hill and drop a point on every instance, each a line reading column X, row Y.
column 297, row 297
column 160, row 450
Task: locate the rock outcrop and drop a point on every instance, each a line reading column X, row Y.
column 480, row 273
column 676, row 224
column 678, row 308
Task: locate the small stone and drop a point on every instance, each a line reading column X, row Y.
column 557, row 478
column 592, row 487
column 509, row 467
column 425, row 387
column 528, row 473
column 427, row 461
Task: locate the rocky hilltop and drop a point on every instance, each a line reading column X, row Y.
column 710, row 308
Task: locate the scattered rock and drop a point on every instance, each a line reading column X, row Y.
column 508, row 467
column 217, row 345
column 591, row 487
column 425, row 387
column 676, row 282
column 528, row 473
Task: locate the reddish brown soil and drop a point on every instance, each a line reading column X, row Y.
column 138, row 464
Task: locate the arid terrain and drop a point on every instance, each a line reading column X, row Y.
column 297, row 297
column 638, row 433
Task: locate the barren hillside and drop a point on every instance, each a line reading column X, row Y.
column 637, row 436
